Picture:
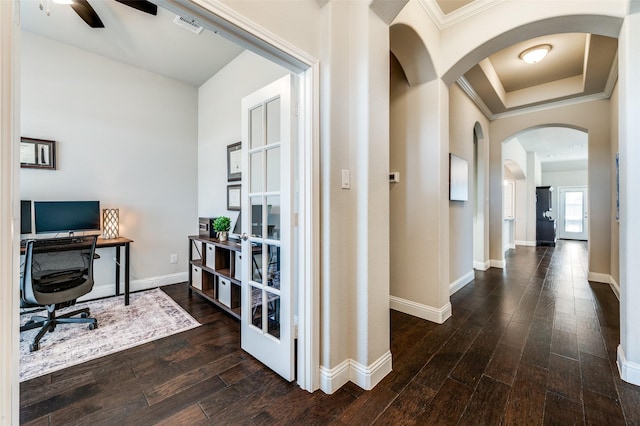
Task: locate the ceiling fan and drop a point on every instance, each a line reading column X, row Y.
column 89, row 15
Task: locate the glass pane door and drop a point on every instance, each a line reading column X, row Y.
column 267, row 314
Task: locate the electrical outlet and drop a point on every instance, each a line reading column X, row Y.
column 174, row 258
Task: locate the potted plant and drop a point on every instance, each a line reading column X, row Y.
column 222, row 225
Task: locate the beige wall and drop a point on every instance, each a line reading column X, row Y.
column 592, row 117
column 419, row 273
column 463, row 116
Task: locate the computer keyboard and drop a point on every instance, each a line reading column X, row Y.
column 62, row 241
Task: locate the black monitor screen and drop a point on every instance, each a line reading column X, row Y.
column 66, row 216
column 25, row 217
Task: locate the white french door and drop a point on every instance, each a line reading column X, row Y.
column 267, row 287
column 572, row 213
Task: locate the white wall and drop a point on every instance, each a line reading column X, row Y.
column 125, row 137
column 219, row 124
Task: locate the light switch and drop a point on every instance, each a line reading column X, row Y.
column 346, row 179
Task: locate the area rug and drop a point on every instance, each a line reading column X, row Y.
column 150, row 315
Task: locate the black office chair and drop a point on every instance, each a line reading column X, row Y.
column 54, row 277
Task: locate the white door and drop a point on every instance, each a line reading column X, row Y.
column 572, row 213
column 267, row 288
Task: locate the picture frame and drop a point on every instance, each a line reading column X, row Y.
column 37, row 153
column 458, row 178
column 233, row 197
column 234, row 162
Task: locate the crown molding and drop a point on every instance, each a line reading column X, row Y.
column 471, row 93
column 613, row 76
column 443, row 21
column 552, row 105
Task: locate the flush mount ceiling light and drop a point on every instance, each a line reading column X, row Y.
column 535, row 54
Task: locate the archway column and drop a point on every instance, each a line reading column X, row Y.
column 629, row 134
column 355, row 220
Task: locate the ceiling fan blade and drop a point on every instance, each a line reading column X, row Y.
column 141, row 5
column 86, row 12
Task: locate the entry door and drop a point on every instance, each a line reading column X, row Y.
column 267, row 288
column 572, row 213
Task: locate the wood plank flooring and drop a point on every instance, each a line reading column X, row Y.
column 534, row 343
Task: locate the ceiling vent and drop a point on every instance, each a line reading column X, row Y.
column 189, row 24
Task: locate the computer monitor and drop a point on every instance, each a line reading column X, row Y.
column 25, row 217
column 66, row 216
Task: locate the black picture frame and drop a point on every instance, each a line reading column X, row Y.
column 233, row 197
column 37, row 154
column 234, row 162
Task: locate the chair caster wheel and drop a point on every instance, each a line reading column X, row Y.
column 93, row 326
column 34, row 347
column 83, row 315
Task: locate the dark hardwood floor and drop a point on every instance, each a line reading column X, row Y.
column 534, row 343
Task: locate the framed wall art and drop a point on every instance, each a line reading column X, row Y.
column 37, row 153
column 458, row 178
column 234, row 161
column 233, row 197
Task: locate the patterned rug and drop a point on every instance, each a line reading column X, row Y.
column 150, row 315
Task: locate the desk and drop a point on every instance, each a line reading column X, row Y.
column 102, row 243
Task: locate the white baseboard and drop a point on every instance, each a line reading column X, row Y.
column 615, row 287
column 107, row 290
column 497, row 263
column 599, row 278
column 629, row 371
column 511, row 246
column 332, row 379
column 481, row 266
column 437, row 315
column 526, row 243
column 350, row 370
column 461, row 282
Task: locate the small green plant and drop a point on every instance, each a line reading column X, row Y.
column 222, row 224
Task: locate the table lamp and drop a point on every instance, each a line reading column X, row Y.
column 110, row 221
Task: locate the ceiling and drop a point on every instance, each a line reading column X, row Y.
column 558, row 148
column 145, row 41
column 578, row 65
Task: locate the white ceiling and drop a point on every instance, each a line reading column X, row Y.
column 145, row 41
column 558, row 148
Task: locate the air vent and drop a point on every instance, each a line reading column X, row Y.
column 188, row 24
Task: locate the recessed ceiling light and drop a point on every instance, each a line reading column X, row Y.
column 576, row 146
column 535, row 54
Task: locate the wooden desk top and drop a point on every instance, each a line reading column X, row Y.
column 100, row 243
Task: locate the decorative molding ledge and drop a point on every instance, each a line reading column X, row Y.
column 599, row 278
column 497, row 263
column 108, row 290
column 332, row 379
column 481, row 266
column 629, row 371
column 429, row 313
column 525, row 243
column 461, row 282
column 615, row 287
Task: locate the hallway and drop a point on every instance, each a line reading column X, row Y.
column 532, row 344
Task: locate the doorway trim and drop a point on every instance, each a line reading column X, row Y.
column 231, row 25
